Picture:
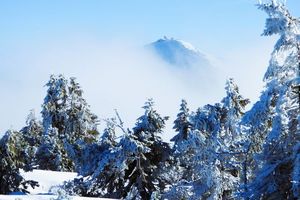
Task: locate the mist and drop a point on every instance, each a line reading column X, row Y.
column 117, row 74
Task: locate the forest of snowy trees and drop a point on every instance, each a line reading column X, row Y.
column 218, row 151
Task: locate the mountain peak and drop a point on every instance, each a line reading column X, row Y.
column 178, row 52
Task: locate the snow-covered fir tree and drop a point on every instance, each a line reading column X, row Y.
column 33, row 130
column 105, row 176
column 151, row 156
column 216, row 182
column 231, row 152
column 54, row 115
column 92, row 153
column 108, row 138
column 54, row 108
column 81, row 123
column 233, row 109
column 32, row 134
column 182, row 125
column 66, row 111
column 80, row 126
column 277, row 176
column 131, row 167
column 201, row 177
column 14, row 155
column 49, row 155
column 208, row 153
column 183, row 149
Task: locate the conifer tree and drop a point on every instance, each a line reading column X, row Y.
column 92, row 153
column 49, row 155
column 231, row 152
column 54, row 114
column 108, row 138
column 80, row 127
column 233, row 110
column 131, row 167
column 66, row 111
column 13, row 156
column 277, row 176
column 202, row 177
column 55, row 105
column 32, row 134
column 144, row 168
column 183, row 148
column 81, row 123
column 208, row 156
column 182, row 125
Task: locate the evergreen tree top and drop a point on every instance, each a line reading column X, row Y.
column 56, row 87
column 108, row 138
column 74, row 87
column 280, row 21
column 182, row 123
column 31, row 117
column 234, row 101
column 151, row 121
column 183, row 106
column 286, row 50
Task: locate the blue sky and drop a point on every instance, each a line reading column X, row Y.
column 207, row 24
column 67, row 36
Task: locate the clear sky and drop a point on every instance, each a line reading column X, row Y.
column 70, row 36
column 207, row 24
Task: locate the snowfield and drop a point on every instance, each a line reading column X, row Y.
column 47, row 180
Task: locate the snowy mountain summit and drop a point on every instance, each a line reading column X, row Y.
column 178, row 52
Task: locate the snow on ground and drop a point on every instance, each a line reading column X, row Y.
column 46, row 179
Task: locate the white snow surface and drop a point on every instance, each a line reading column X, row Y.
column 46, row 179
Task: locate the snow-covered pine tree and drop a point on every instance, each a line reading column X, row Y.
column 294, row 127
column 94, row 152
column 258, row 122
column 106, row 179
column 14, row 155
column 54, row 115
column 48, row 154
column 202, row 175
column 32, row 134
column 183, row 149
column 233, row 109
column 103, row 164
column 81, row 123
column 133, row 166
column 210, row 153
column 151, row 154
column 80, row 126
column 182, row 124
column 65, row 110
column 278, row 174
column 33, row 130
column 54, row 107
column 205, row 178
column 231, row 152
column 215, row 181
column 108, row 138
